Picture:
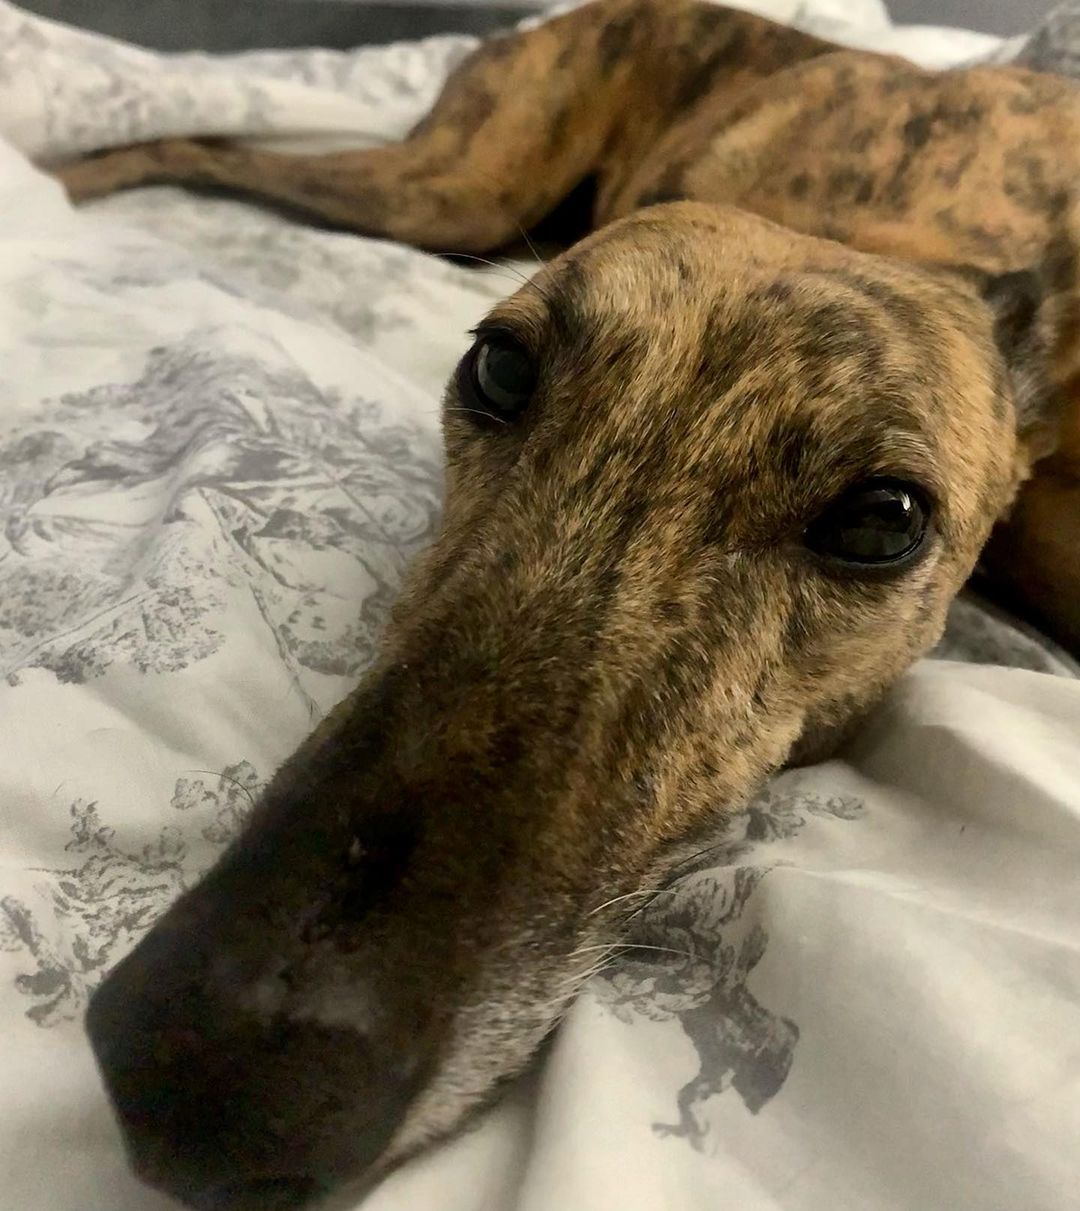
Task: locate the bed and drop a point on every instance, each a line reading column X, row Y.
column 219, row 447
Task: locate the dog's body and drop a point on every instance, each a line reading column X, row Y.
column 682, row 465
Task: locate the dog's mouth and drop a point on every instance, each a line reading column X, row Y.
column 259, row 1194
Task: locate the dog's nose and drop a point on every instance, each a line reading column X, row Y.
column 226, row 1106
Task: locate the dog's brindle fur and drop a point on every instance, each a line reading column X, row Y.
column 811, row 266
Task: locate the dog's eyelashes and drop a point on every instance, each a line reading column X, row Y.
column 497, row 377
column 880, row 523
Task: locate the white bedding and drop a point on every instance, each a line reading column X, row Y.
column 218, row 445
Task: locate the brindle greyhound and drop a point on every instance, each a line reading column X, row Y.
column 714, row 478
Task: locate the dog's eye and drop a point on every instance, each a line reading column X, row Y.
column 874, row 523
column 499, row 377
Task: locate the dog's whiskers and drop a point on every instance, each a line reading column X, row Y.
column 671, row 950
column 682, row 866
column 475, row 412
column 574, row 981
column 649, row 891
column 507, row 270
column 226, row 778
column 612, row 947
column 530, row 245
column 502, row 266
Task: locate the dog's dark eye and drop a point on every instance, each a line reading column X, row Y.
column 874, row 523
column 499, row 377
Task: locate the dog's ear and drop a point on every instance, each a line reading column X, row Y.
column 1023, row 329
column 1032, row 313
column 1030, row 562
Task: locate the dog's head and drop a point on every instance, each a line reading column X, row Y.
column 711, row 488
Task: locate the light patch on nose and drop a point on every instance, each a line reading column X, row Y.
column 352, row 1006
column 357, row 1007
column 257, row 989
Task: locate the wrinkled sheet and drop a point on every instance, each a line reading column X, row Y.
column 218, row 448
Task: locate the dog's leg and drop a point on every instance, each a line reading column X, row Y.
column 517, row 126
column 520, row 123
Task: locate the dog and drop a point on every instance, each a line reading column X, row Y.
column 713, row 478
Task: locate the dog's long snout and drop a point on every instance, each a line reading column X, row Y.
column 222, row 1076
column 271, row 1034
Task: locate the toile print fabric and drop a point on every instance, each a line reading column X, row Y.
column 218, row 450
